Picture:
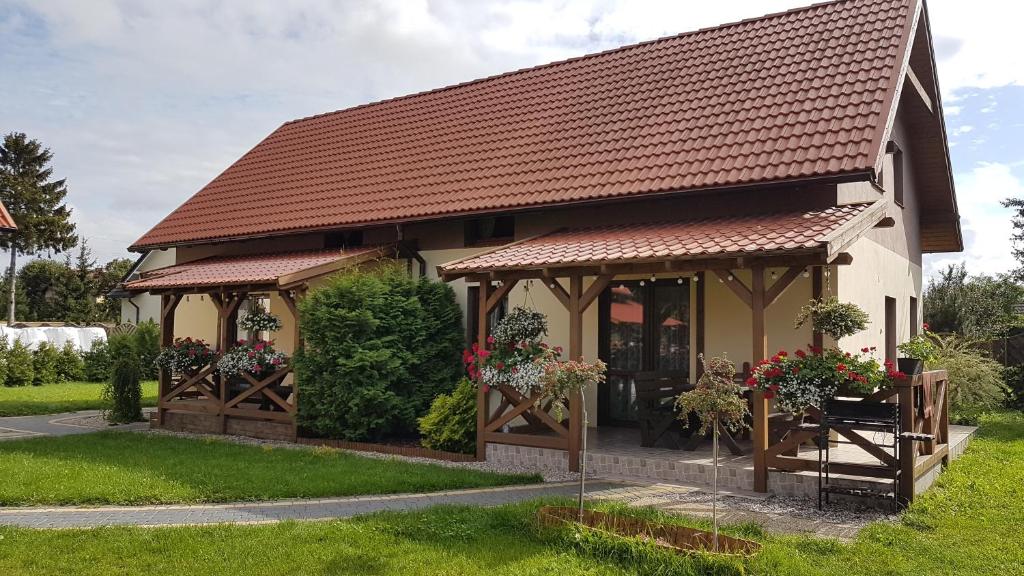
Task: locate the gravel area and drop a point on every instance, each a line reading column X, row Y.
column 483, row 466
column 97, row 421
column 843, row 512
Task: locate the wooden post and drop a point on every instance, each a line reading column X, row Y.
column 575, row 352
column 699, row 320
column 817, row 338
column 760, row 407
column 291, row 300
column 227, row 331
column 481, row 395
column 908, row 451
column 168, row 303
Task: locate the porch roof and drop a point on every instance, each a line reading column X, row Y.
column 273, row 270
column 823, row 233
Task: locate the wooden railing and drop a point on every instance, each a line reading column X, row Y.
column 924, row 410
column 541, row 430
column 212, row 394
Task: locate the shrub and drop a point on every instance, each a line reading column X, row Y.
column 450, row 424
column 976, row 382
column 375, row 355
column 147, row 341
column 44, row 364
column 3, row 359
column 1014, row 376
column 97, row 361
column 123, row 391
column 19, row 365
column 70, row 366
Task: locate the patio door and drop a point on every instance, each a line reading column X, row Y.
column 644, row 327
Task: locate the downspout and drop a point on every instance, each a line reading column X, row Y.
column 137, row 310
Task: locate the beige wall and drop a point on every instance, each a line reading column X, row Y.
column 886, row 261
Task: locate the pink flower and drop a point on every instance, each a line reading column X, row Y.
column 257, row 368
column 276, row 361
column 865, row 350
column 490, row 340
column 925, row 326
column 252, row 354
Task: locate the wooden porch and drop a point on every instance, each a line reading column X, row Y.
column 207, row 401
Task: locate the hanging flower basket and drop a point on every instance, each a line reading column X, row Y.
column 259, row 320
column 514, row 355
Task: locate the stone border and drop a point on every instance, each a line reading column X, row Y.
column 409, row 451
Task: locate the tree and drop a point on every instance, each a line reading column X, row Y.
column 45, row 283
column 35, row 203
column 107, row 279
column 975, row 307
column 81, row 294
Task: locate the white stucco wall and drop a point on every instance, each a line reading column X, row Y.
column 149, row 305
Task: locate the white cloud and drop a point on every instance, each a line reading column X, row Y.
column 986, row 224
column 977, row 44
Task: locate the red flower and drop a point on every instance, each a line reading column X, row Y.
column 840, row 367
column 796, row 369
column 873, row 348
column 865, row 350
column 769, row 394
column 781, row 353
column 490, row 340
column 801, row 354
column 751, row 381
column 276, row 361
column 500, row 365
column 257, row 368
column 776, row 358
column 925, row 326
column 848, row 355
column 815, row 349
column 483, row 354
column 252, row 354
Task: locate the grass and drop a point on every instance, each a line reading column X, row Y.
column 131, row 468
column 56, row 398
column 969, row 524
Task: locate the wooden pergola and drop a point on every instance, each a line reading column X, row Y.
column 510, row 264
column 206, row 398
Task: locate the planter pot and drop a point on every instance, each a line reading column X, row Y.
column 678, row 539
column 910, row 366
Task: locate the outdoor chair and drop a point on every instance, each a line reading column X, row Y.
column 656, row 394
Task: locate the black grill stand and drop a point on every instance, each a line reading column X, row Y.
column 878, row 418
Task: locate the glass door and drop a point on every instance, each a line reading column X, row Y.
column 644, row 327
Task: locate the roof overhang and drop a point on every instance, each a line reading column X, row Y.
column 811, row 238
column 253, row 272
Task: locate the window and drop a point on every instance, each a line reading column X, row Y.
column 890, row 328
column 473, row 313
column 896, row 154
column 913, row 317
column 343, row 240
column 493, row 230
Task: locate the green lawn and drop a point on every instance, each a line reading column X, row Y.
column 970, row 524
column 55, row 398
column 131, row 468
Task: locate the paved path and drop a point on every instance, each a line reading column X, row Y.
column 12, row 427
column 275, row 511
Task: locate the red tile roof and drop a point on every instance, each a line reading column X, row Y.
column 6, row 222
column 804, row 93
column 238, row 270
column 708, row 238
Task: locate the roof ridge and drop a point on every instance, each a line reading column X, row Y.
column 588, row 56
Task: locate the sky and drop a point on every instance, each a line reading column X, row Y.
column 143, row 103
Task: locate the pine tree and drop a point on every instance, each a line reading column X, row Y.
column 82, row 288
column 35, row 202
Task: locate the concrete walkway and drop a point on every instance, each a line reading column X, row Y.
column 275, row 511
column 65, row 424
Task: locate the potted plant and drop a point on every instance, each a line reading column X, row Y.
column 186, row 356
column 258, row 359
column 832, row 317
column 259, row 320
column 917, row 351
column 716, row 399
column 513, row 354
column 809, row 379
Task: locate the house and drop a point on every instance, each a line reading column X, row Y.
column 659, row 200
column 141, row 307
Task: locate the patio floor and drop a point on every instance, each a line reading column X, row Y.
column 615, row 453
